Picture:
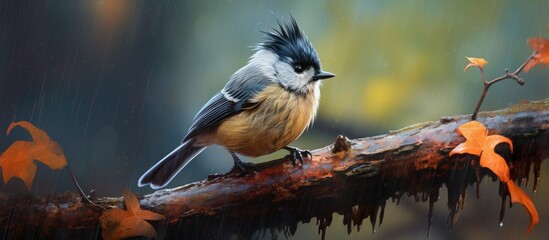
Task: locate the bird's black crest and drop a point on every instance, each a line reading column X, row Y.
column 291, row 45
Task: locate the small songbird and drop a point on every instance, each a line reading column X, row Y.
column 265, row 106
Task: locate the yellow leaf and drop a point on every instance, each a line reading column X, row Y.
column 17, row 160
column 475, row 62
column 475, row 135
column 477, row 142
column 518, row 196
column 119, row 224
column 492, row 160
column 132, row 205
column 134, row 226
column 541, row 45
column 480, row 144
column 110, row 223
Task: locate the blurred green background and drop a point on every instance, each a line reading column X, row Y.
column 117, row 84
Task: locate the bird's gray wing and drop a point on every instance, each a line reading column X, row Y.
column 234, row 98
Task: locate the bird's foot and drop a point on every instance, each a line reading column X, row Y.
column 297, row 154
column 241, row 168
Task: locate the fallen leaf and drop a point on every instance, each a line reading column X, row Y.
column 477, row 142
column 475, row 62
column 475, row 135
column 541, row 45
column 518, row 196
column 110, row 223
column 17, row 160
column 132, row 205
column 118, row 224
column 493, row 161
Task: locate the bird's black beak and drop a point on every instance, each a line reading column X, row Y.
column 323, row 75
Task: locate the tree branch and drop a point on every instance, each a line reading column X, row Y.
column 353, row 178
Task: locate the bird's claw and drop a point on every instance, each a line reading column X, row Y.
column 243, row 168
column 246, row 167
column 297, row 154
column 240, row 168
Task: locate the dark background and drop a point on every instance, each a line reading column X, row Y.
column 117, row 83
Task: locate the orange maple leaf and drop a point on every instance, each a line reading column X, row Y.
column 541, row 45
column 475, row 62
column 17, row 160
column 480, row 144
column 118, row 224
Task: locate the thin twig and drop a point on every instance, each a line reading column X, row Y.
column 484, row 91
column 83, row 196
column 507, row 75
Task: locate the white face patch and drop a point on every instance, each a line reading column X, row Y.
column 281, row 72
column 286, row 76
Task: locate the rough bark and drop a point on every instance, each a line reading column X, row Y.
column 353, row 178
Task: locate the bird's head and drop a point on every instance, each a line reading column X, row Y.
column 288, row 58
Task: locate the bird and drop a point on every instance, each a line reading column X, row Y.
column 265, row 105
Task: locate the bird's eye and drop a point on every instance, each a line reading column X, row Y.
column 298, row 68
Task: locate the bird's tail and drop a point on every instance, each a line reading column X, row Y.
column 165, row 170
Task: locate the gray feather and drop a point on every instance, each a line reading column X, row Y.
column 241, row 88
column 165, row 170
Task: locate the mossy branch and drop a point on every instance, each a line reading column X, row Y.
column 353, row 178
